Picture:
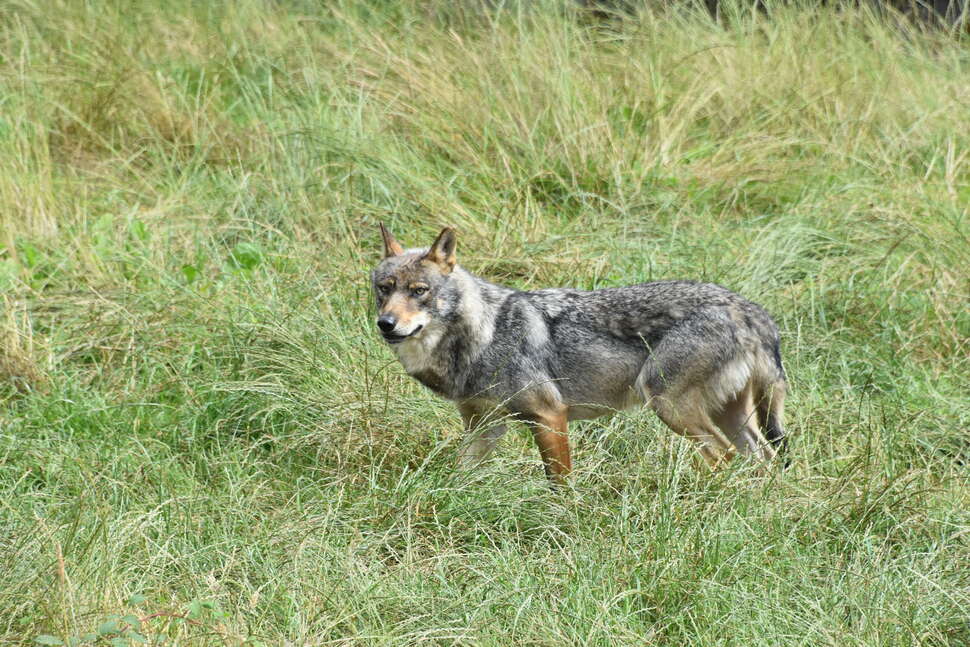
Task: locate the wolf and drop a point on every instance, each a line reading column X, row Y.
column 705, row 359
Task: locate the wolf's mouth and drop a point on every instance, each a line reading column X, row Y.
column 392, row 338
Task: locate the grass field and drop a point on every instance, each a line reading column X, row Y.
column 203, row 442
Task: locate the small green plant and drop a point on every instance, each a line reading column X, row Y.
column 245, row 256
column 129, row 629
column 190, row 273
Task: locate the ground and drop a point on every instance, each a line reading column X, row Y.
column 203, row 440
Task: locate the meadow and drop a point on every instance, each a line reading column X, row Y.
column 204, row 442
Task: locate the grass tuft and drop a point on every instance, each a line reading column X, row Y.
column 203, row 442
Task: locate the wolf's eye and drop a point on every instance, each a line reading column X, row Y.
column 419, row 291
column 383, row 290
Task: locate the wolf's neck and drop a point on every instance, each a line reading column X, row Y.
column 476, row 311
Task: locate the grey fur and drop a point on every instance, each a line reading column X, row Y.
column 688, row 349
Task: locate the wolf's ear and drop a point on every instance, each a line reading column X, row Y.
column 391, row 246
column 442, row 252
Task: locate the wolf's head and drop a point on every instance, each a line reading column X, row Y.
column 411, row 286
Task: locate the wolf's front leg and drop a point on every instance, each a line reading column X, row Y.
column 482, row 433
column 550, row 430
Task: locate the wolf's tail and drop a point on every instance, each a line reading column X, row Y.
column 770, row 402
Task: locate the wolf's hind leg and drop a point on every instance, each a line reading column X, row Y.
column 738, row 419
column 482, row 433
column 669, row 383
column 687, row 420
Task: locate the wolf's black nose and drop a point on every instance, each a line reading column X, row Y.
column 386, row 323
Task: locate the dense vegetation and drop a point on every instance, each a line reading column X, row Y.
column 203, row 441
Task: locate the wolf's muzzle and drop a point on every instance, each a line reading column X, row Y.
column 393, row 338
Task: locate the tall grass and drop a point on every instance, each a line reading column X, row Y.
column 194, row 410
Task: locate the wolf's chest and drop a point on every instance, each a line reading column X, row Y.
column 418, row 359
column 414, row 356
column 432, row 380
